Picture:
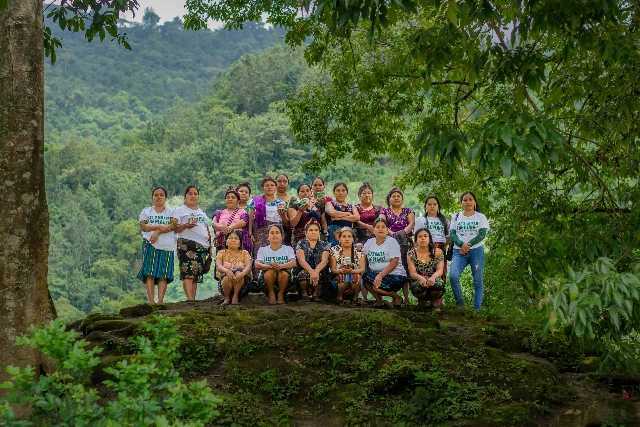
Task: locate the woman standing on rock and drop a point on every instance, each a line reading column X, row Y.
column 368, row 213
column 426, row 268
column 469, row 228
column 318, row 190
column 159, row 245
column 233, row 265
column 347, row 265
column 194, row 241
column 301, row 211
column 264, row 210
column 385, row 275
column 275, row 262
column 312, row 254
column 232, row 217
column 340, row 212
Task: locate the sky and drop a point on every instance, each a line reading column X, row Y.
column 166, row 9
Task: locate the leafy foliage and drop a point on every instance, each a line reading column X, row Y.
column 148, row 389
column 597, row 301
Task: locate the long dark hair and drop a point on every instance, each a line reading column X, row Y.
column 226, row 239
column 244, row 184
column 441, row 217
column 189, row 188
column 432, row 246
column 475, row 199
column 353, row 244
column 393, row 190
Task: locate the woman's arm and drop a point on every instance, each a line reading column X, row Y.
column 238, row 225
column 247, row 264
column 288, row 265
column 294, row 216
column 159, row 228
column 333, row 213
column 411, row 219
column 220, row 263
column 261, row 266
column 411, row 266
column 333, row 265
column 354, row 216
column 324, row 260
column 302, row 261
column 389, row 268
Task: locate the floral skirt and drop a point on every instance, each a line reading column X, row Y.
column 156, row 263
column 192, row 257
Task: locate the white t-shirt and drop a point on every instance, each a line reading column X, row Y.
column 467, row 227
column 166, row 241
column 199, row 233
column 283, row 255
column 434, row 225
column 272, row 214
column 379, row 256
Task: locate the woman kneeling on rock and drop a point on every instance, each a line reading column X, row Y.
column 385, row 274
column 313, row 259
column 426, row 266
column 233, row 266
column 347, row 264
column 275, row 262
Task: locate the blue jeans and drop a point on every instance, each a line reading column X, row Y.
column 474, row 258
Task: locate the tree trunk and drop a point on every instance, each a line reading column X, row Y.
column 24, row 219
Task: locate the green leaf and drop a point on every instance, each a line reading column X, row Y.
column 506, row 164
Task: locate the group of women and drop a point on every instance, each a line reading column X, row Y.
column 317, row 245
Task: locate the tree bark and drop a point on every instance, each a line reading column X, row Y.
column 24, row 218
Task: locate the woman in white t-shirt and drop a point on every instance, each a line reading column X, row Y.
column 385, row 275
column 274, row 262
column 194, row 241
column 469, row 228
column 159, row 245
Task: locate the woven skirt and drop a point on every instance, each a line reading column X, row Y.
column 156, row 263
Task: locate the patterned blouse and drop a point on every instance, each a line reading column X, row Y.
column 396, row 222
column 340, row 207
column 313, row 256
column 345, row 259
column 424, row 268
column 368, row 217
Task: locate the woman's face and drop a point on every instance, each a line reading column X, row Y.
column 159, row 198
column 468, row 202
column 366, row 197
column 275, row 237
column 340, row 193
column 244, row 194
column 346, row 239
column 233, row 241
column 304, row 192
column 422, row 239
column 313, row 233
column 396, row 200
column 231, row 201
column 317, row 185
column 269, row 188
column 432, row 207
column 191, row 198
column 283, row 184
column 380, row 230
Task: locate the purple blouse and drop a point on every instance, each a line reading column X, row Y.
column 396, row 222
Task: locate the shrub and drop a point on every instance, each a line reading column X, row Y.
column 147, row 386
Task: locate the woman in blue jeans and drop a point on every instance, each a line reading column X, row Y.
column 468, row 230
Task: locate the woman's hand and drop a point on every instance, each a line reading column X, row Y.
column 423, row 282
column 154, row 237
column 377, row 281
column 465, row 248
column 314, row 276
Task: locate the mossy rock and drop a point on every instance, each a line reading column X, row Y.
column 117, row 327
column 140, row 310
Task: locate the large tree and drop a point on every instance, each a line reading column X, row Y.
column 24, row 228
column 24, row 297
